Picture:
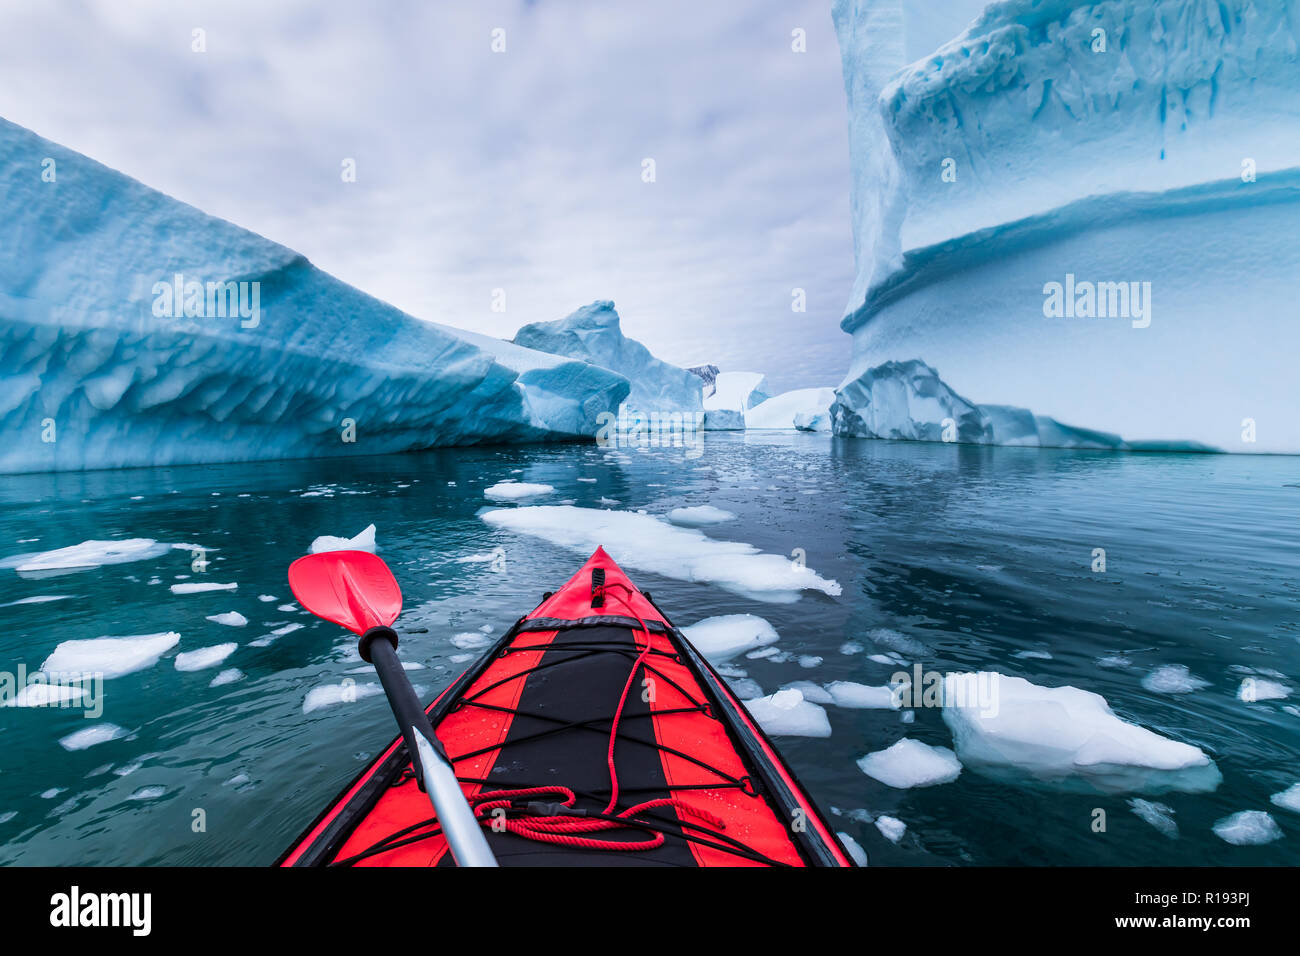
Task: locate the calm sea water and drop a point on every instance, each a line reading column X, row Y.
column 977, row 553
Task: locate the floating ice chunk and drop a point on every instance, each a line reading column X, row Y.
column 189, row 588
column 1288, row 799
column 365, row 541
column 891, row 828
column 267, row 639
column 811, row 691
column 285, row 608
column 8, row 815
column 787, row 714
column 1157, row 814
column 516, row 491
column 1173, row 679
column 37, row 599
column 649, row 544
column 87, row 555
column 910, row 763
column 809, row 661
column 267, row 598
column 608, row 502
column 51, row 793
column 889, row 660
column 1248, row 828
column 44, row 695
column 229, row 676
column 723, row 637
column 860, row 696
column 110, row 656
column 745, row 688
column 1033, row 655
column 896, row 642
column 329, row 695
column 699, row 516
column 853, row 849
column 204, row 657
column 1254, row 689
column 148, row 793
column 229, row 618
column 1114, row 661
column 1064, row 735
column 470, row 639
column 90, row 736
column 851, row 647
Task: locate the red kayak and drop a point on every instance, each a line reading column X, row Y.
column 591, row 734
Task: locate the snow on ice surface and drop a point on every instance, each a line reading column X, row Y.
column 592, row 334
column 83, row 266
column 1248, row 828
column 201, row 588
column 204, row 657
column 685, row 554
column 805, row 409
column 1288, row 799
column 101, row 732
column 787, row 714
column 1157, row 814
column 699, row 516
column 911, row 763
column 364, row 541
column 516, row 491
column 723, row 637
column 229, row 619
column 110, row 656
column 1064, row 735
column 1183, row 136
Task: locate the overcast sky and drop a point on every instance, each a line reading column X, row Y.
column 478, row 170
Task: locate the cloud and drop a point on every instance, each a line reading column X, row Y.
column 479, row 170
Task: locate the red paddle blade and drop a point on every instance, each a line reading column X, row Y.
column 353, row 589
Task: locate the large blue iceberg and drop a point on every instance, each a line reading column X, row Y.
column 137, row 330
column 1083, row 209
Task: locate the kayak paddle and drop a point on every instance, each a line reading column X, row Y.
column 355, row 590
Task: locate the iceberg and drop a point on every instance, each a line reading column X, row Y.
column 137, row 330
column 805, row 409
column 734, row 394
column 1053, row 207
column 592, row 334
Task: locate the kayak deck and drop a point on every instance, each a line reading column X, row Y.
column 540, row 743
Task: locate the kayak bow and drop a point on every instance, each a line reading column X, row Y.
column 590, row 734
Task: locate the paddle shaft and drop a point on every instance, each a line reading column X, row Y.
column 460, row 827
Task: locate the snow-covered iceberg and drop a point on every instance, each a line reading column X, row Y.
column 137, row 330
column 592, row 334
column 1078, row 209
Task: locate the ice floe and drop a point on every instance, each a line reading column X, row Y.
column 911, row 763
column 1173, row 679
column 1288, row 799
column 204, row 657
column 1157, row 814
column 853, row 849
column 201, row 588
column 516, row 491
column 229, row 676
column 723, row 637
column 1254, row 689
column 787, row 714
column 37, row 599
column 110, row 656
column 863, row 697
column 649, row 544
column 1248, row 828
column 891, row 828
column 329, row 695
column 229, row 618
column 699, row 516
column 91, row 736
column 44, row 695
column 85, row 556
column 363, row 541
column 1064, row 735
